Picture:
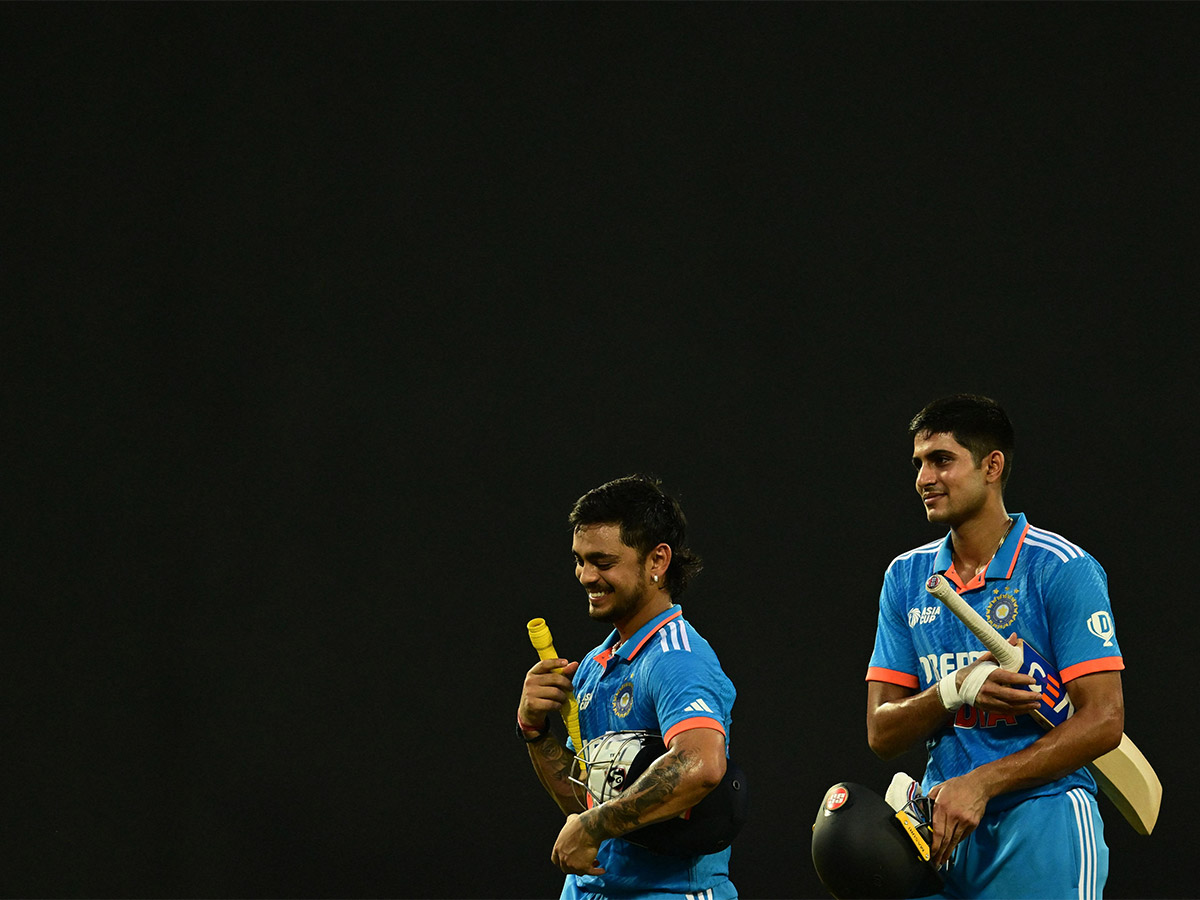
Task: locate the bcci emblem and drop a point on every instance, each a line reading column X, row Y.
column 622, row 701
column 1002, row 610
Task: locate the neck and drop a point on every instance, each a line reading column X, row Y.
column 658, row 603
column 977, row 540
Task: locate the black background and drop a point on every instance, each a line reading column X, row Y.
column 319, row 318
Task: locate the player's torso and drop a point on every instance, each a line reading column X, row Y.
column 616, row 695
column 943, row 644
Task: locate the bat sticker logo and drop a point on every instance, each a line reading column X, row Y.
column 1101, row 625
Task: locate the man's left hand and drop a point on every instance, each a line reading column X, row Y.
column 958, row 806
column 575, row 850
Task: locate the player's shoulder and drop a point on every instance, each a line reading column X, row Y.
column 677, row 654
column 1048, row 548
column 677, row 642
column 916, row 557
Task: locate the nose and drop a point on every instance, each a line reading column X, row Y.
column 925, row 475
column 586, row 573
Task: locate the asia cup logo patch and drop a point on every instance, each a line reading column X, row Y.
column 622, row 701
column 922, row 616
column 1002, row 610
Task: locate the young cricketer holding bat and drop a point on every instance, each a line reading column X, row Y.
column 653, row 672
column 1015, row 811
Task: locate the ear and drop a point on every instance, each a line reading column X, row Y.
column 657, row 562
column 993, row 466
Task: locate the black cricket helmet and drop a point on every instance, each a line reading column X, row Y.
column 862, row 848
column 616, row 759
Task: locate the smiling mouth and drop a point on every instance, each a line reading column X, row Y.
column 593, row 596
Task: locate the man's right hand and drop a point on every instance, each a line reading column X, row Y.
column 545, row 691
column 1005, row 693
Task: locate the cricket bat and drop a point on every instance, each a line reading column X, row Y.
column 1124, row 774
column 543, row 643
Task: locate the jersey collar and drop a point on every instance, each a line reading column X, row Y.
column 631, row 647
column 1002, row 563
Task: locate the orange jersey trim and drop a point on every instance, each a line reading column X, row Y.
column 1017, row 551
column 953, row 577
column 891, row 676
column 1104, row 664
column 689, row 724
column 636, row 650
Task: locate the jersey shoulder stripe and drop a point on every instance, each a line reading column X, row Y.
column 1031, row 542
column 673, row 636
column 931, row 547
column 1064, row 553
column 1049, row 537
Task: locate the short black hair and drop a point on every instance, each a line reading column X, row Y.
column 647, row 517
column 976, row 422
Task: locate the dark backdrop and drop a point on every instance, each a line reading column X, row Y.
column 319, row 318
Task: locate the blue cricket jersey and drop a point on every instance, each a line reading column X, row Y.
column 1048, row 590
column 665, row 678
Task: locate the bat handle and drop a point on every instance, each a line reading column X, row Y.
column 1008, row 656
column 539, row 636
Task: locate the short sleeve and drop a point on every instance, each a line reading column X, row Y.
column 691, row 689
column 1083, row 632
column 893, row 659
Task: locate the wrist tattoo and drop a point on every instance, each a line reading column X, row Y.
column 560, row 761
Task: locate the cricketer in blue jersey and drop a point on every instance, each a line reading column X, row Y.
column 654, row 672
column 1015, row 811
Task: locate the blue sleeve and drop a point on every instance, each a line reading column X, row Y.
column 893, row 639
column 1079, row 614
column 690, row 685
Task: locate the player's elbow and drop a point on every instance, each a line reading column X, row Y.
column 1104, row 712
column 885, row 751
column 708, row 774
column 1110, row 729
column 882, row 745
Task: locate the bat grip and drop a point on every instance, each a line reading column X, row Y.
column 543, row 643
column 539, row 636
column 1006, row 654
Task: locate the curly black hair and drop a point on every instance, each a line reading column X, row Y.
column 647, row 517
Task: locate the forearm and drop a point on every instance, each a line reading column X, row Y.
column 1062, row 750
column 675, row 783
column 898, row 725
column 554, row 765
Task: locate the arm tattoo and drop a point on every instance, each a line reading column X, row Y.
column 559, row 762
column 656, row 785
column 554, row 765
